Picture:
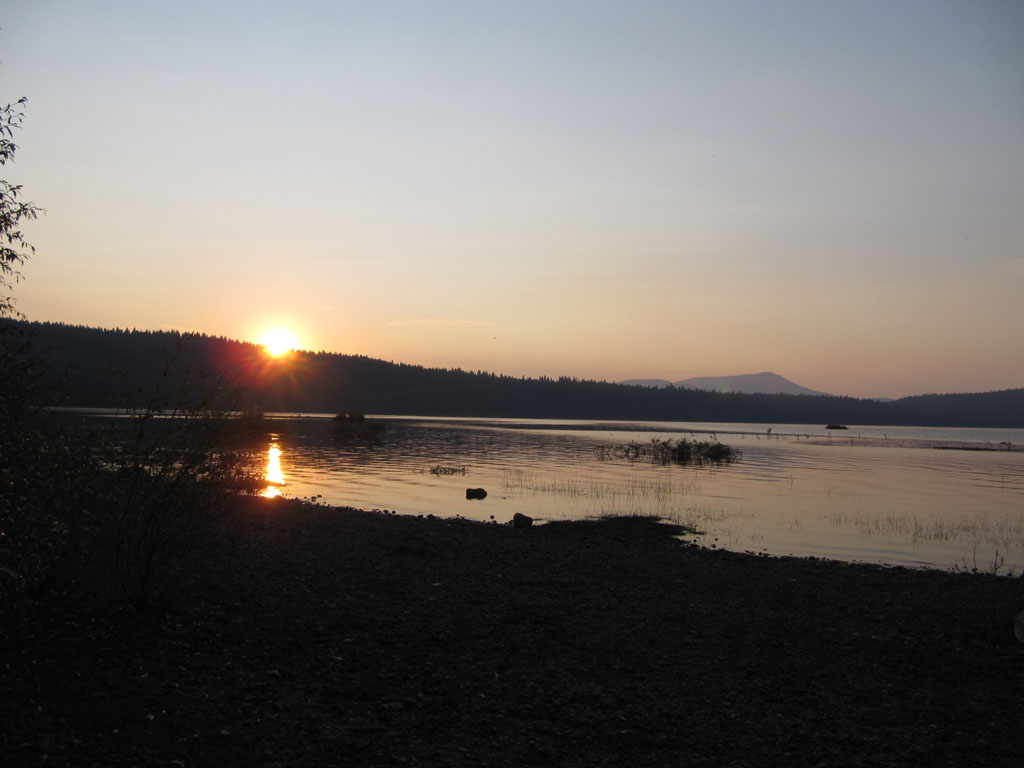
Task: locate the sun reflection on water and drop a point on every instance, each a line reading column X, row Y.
column 275, row 476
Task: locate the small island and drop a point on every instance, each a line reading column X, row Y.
column 352, row 425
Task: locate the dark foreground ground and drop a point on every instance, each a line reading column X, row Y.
column 335, row 637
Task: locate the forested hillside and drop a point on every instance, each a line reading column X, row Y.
column 95, row 367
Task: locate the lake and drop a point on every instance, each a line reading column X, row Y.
column 919, row 497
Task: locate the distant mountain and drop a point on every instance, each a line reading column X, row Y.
column 765, row 383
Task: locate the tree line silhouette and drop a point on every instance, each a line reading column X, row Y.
column 121, row 367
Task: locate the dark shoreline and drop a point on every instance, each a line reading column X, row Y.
column 323, row 636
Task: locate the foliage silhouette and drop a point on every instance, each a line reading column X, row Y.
column 150, row 493
column 175, row 465
column 46, row 476
column 47, row 485
column 14, row 249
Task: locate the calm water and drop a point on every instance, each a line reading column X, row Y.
column 898, row 495
column 877, row 494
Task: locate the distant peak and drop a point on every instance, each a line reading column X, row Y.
column 765, row 383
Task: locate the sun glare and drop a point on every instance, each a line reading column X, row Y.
column 275, row 476
column 278, row 341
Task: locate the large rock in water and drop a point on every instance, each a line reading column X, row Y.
column 476, row 493
column 519, row 520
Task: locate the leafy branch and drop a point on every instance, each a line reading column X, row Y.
column 14, row 248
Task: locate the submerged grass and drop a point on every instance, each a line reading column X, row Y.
column 995, row 531
column 443, row 471
column 611, row 491
column 635, row 526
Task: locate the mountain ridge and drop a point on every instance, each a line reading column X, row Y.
column 80, row 361
column 763, row 383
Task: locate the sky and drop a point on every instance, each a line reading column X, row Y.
column 610, row 190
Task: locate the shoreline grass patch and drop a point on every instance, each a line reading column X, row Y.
column 669, row 451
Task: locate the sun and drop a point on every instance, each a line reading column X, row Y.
column 278, row 341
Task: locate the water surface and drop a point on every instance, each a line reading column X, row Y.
column 899, row 495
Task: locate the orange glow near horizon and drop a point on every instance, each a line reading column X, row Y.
column 278, row 341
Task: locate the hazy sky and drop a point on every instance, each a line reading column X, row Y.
column 833, row 191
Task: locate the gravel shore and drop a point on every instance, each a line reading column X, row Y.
column 334, row 637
